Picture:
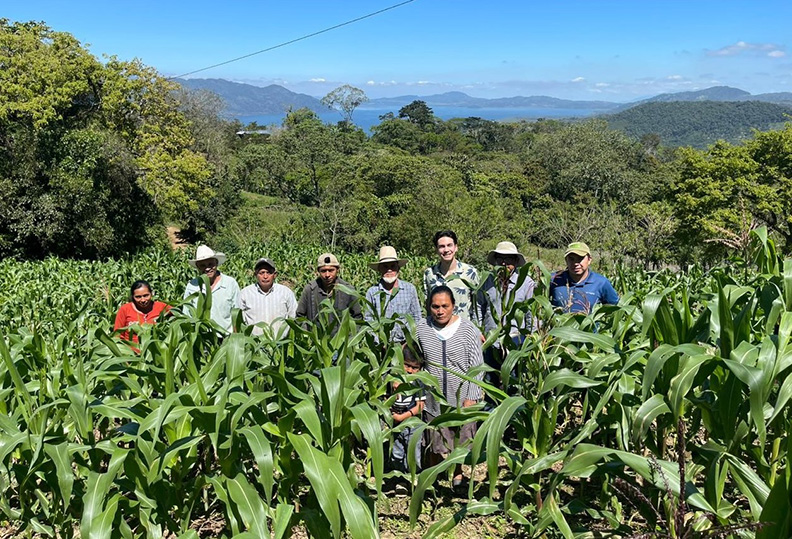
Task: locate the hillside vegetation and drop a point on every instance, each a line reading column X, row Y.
column 700, row 124
column 95, row 164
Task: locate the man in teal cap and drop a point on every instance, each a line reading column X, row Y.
column 577, row 289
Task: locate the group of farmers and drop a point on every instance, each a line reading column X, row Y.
column 449, row 336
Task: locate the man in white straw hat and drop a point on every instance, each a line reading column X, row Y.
column 503, row 291
column 225, row 290
column 398, row 297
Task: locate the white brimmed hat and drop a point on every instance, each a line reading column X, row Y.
column 388, row 254
column 506, row 248
column 204, row 252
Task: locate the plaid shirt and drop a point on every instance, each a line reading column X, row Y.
column 403, row 301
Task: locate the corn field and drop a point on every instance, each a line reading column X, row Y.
column 667, row 414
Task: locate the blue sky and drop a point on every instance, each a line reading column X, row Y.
column 609, row 50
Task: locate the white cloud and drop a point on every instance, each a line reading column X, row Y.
column 602, row 85
column 318, row 80
column 422, row 82
column 674, row 77
column 578, row 79
column 741, row 47
column 370, row 83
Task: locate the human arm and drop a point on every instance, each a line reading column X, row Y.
column 291, row 305
column 608, row 294
column 371, row 304
column 120, row 319
column 414, row 411
column 302, row 305
column 122, row 322
column 472, row 392
column 235, row 301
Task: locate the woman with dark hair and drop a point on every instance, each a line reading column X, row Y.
column 451, row 344
column 141, row 309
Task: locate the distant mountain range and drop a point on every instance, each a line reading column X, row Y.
column 460, row 99
column 248, row 100
column 716, row 93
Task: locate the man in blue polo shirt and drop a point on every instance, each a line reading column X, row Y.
column 578, row 289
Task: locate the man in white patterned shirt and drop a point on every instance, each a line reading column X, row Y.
column 461, row 278
column 266, row 302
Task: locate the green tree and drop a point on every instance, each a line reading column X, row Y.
column 92, row 155
column 590, row 158
column 345, row 99
column 418, row 113
column 310, row 147
column 724, row 191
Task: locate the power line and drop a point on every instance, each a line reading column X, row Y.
column 394, row 6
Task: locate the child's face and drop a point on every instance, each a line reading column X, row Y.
column 411, row 368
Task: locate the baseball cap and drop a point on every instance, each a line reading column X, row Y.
column 265, row 262
column 327, row 259
column 578, row 247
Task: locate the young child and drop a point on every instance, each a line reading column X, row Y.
column 407, row 405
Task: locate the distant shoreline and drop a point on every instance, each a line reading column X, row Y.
column 366, row 118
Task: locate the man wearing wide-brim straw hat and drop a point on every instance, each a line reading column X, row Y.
column 225, row 290
column 399, row 298
column 503, row 290
column 577, row 289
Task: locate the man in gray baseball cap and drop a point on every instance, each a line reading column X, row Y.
column 266, row 303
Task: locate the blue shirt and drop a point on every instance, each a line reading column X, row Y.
column 581, row 297
column 403, row 300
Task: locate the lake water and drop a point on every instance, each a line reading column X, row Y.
column 365, row 118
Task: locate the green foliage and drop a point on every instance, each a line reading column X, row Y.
column 276, row 433
column 345, row 99
column 93, row 155
column 726, row 191
column 701, row 123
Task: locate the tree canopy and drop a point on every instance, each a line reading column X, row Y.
column 92, row 154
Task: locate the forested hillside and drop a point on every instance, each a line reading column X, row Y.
column 101, row 156
column 700, row 123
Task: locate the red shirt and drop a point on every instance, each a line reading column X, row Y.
column 128, row 314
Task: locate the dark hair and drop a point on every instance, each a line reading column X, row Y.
column 445, row 234
column 136, row 286
column 412, row 358
column 442, row 289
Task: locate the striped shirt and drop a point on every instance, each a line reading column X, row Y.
column 400, row 301
column 268, row 307
column 459, row 353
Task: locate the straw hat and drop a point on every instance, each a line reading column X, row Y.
column 204, row 252
column 388, row 254
column 506, row 248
